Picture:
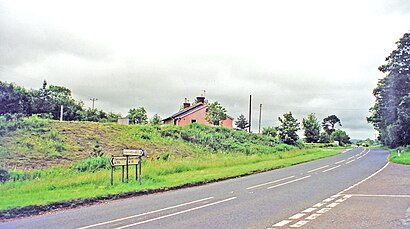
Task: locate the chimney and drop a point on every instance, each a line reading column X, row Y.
column 200, row 99
column 186, row 103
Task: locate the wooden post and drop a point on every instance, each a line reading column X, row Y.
column 112, row 175
column 136, row 172
column 126, row 165
column 139, row 177
column 122, row 174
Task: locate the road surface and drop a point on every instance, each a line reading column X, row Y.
column 275, row 199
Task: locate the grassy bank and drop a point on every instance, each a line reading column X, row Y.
column 61, row 183
column 403, row 159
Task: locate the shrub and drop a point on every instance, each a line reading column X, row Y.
column 4, row 175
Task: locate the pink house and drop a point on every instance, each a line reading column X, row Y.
column 195, row 113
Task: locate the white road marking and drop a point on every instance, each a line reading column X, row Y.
column 300, row 223
column 297, row 216
column 329, row 199
column 309, row 210
column 318, row 205
column 282, row 223
column 327, row 170
column 360, row 157
column 146, row 213
column 340, row 200
column 289, row 182
column 332, row 205
column 368, row 195
column 323, row 210
column 350, row 157
column 339, row 162
column 350, row 161
column 271, row 182
column 177, row 213
column 318, row 168
column 313, row 216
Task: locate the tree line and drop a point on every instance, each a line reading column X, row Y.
column 286, row 132
column 46, row 102
column 390, row 114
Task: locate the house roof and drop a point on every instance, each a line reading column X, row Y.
column 184, row 111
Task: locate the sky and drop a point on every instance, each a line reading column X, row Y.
column 316, row 56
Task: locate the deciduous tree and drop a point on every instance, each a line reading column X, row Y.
column 216, row 113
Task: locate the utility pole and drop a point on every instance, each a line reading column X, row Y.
column 61, row 113
column 250, row 113
column 93, row 99
column 260, row 117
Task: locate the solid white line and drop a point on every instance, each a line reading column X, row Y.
column 271, row 182
column 331, row 168
column 340, row 161
column 350, row 161
column 358, row 183
column 289, row 182
column 318, row 168
column 282, row 223
column 177, row 213
column 146, row 213
column 368, row 195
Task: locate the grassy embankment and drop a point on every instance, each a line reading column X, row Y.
column 404, row 156
column 63, row 169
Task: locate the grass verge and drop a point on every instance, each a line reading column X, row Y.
column 403, row 159
column 63, row 184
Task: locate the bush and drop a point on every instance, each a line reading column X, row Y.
column 4, row 175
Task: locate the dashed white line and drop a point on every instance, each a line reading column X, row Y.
column 313, row 216
column 300, row 223
column 338, row 162
column 289, row 182
column 309, row 210
column 332, row 205
column 318, row 205
column 282, row 223
column 350, row 157
column 323, row 210
column 177, row 213
column 146, row 213
column 297, row 216
column 318, row 168
column 368, row 195
column 350, row 161
column 271, row 182
column 327, row 170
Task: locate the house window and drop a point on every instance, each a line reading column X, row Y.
column 193, row 121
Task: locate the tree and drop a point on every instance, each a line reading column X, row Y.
column 156, row 120
column 112, row 117
column 340, row 136
column 390, row 111
column 270, row 131
column 311, row 128
column 138, row 116
column 324, row 138
column 241, row 122
column 288, row 128
column 216, row 113
column 329, row 123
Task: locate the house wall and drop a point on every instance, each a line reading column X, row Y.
column 199, row 116
column 227, row 123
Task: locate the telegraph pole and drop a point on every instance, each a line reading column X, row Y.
column 250, row 113
column 260, row 117
column 93, row 99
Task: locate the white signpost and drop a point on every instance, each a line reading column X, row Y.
column 130, row 157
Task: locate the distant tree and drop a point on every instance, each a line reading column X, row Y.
column 390, row 113
column 271, row 131
column 112, row 117
column 329, row 123
column 156, row 120
column 288, row 128
column 311, row 128
column 340, row 136
column 216, row 113
column 241, row 122
column 138, row 116
column 324, row 137
column 14, row 99
column 94, row 115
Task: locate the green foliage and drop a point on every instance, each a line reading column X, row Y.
column 311, row 128
column 241, row 122
column 4, row 175
column 271, row 131
column 329, row 123
column 288, row 128
column 92, row 164
column 112, row 117
column 138, row 116
column 404, row 155
column 216, row 113
column 340, row 136
column 97, row 150
column 324, row 137
column 156, row 120
column 390, row 113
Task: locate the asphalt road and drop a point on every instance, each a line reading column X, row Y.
column 279, row 198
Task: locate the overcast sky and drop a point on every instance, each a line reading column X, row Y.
column 317, row 56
